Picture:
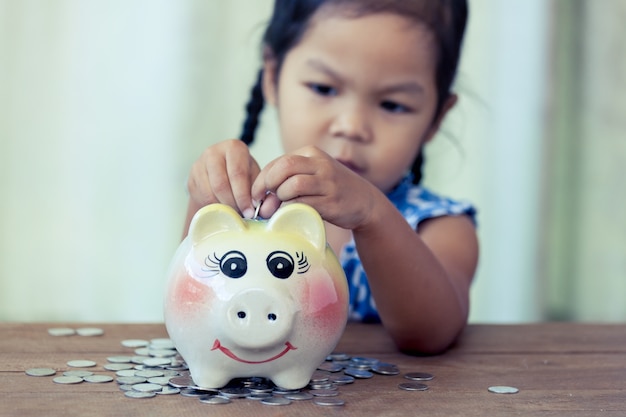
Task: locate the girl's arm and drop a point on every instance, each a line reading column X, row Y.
column 420, row 281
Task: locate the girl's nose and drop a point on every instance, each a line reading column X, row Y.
column 351, row 123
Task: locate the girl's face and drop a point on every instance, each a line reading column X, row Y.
column 362, row 89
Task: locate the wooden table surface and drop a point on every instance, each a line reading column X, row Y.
column 559, row 368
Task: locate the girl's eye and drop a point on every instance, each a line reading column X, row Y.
column 393, row 107
column 323, row 90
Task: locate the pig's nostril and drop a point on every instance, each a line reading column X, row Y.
column 271, row 317
column 241, row 314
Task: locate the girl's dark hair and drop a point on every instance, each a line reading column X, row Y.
column 445, row 18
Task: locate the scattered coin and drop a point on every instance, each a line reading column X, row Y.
column 61, row 331
column 68, row 380
column 139, row 394
column 147, row 387
column 135, row 343
column 413, row 386
column 502, row 389
column 98, row 378
column 149, row 373
column 81, row 364
column 214, row 399
column 80, row 374
column 167, row 390
column 130, row 380
column 157, row 361
column 118, row 366
column 120, row 359
column 358, row 373
column 89, row 331
column 419, row 376
column 276, row 401
column 299, row 396
column 40, row 372
column 324, row 392
column 328, row 401
column 160, row 380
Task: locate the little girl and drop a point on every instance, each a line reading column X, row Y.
column 360, row 86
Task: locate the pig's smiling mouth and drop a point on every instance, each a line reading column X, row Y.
column 230, row 354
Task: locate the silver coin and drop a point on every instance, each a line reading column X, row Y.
column 167, row 390
column 299, row 396
column 98, row 378
column 162, row 353
column 80, row 374
column 89, row 331
column 324, row 392
column 257, row 396
column 138, row 360
column 234, row 392
column 413, row 386
column 142, row 351
column 181, row 381
column 162, row 343
column 135, row 343
column 40, row 372
column 328, row 401
column 160, row 380
column 276, row 401
column 118, row 366
column 330, row 367
column 61, row 331
column 149, row 373
column 81, row 363
column 419, row 376
column 502, row 389
column 157, row 361
column 214, row 399
column 385, row 369
column 322, row 385
column 130, row 380
column 68, row 380
column 358, row 373
column 126, row 372
column 190, row 392
column 147, row 387
column 126, row 387
column 342, row 379
column 120, row 359
column 139, row 394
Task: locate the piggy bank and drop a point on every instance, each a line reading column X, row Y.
column 264, row 298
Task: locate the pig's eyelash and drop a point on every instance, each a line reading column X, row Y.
column 303, row 263
column 212, row 263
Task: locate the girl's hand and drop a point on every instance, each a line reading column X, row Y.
column 223, row 174
column 313, row 177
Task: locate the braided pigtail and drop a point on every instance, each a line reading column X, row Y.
column 253, row 110
column 416, row 168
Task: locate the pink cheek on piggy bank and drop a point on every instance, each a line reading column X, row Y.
column 324, row 303
column 188, row 295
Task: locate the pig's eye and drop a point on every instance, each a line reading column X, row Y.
column 233, row 264
column 280, row 264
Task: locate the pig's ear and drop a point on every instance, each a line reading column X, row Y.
column 300, row 219
column 213, row 219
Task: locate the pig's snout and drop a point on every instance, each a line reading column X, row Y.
column 259, row 318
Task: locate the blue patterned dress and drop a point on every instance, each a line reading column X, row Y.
column 416, row 204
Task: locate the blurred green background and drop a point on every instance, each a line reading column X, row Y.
column 105, row 104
